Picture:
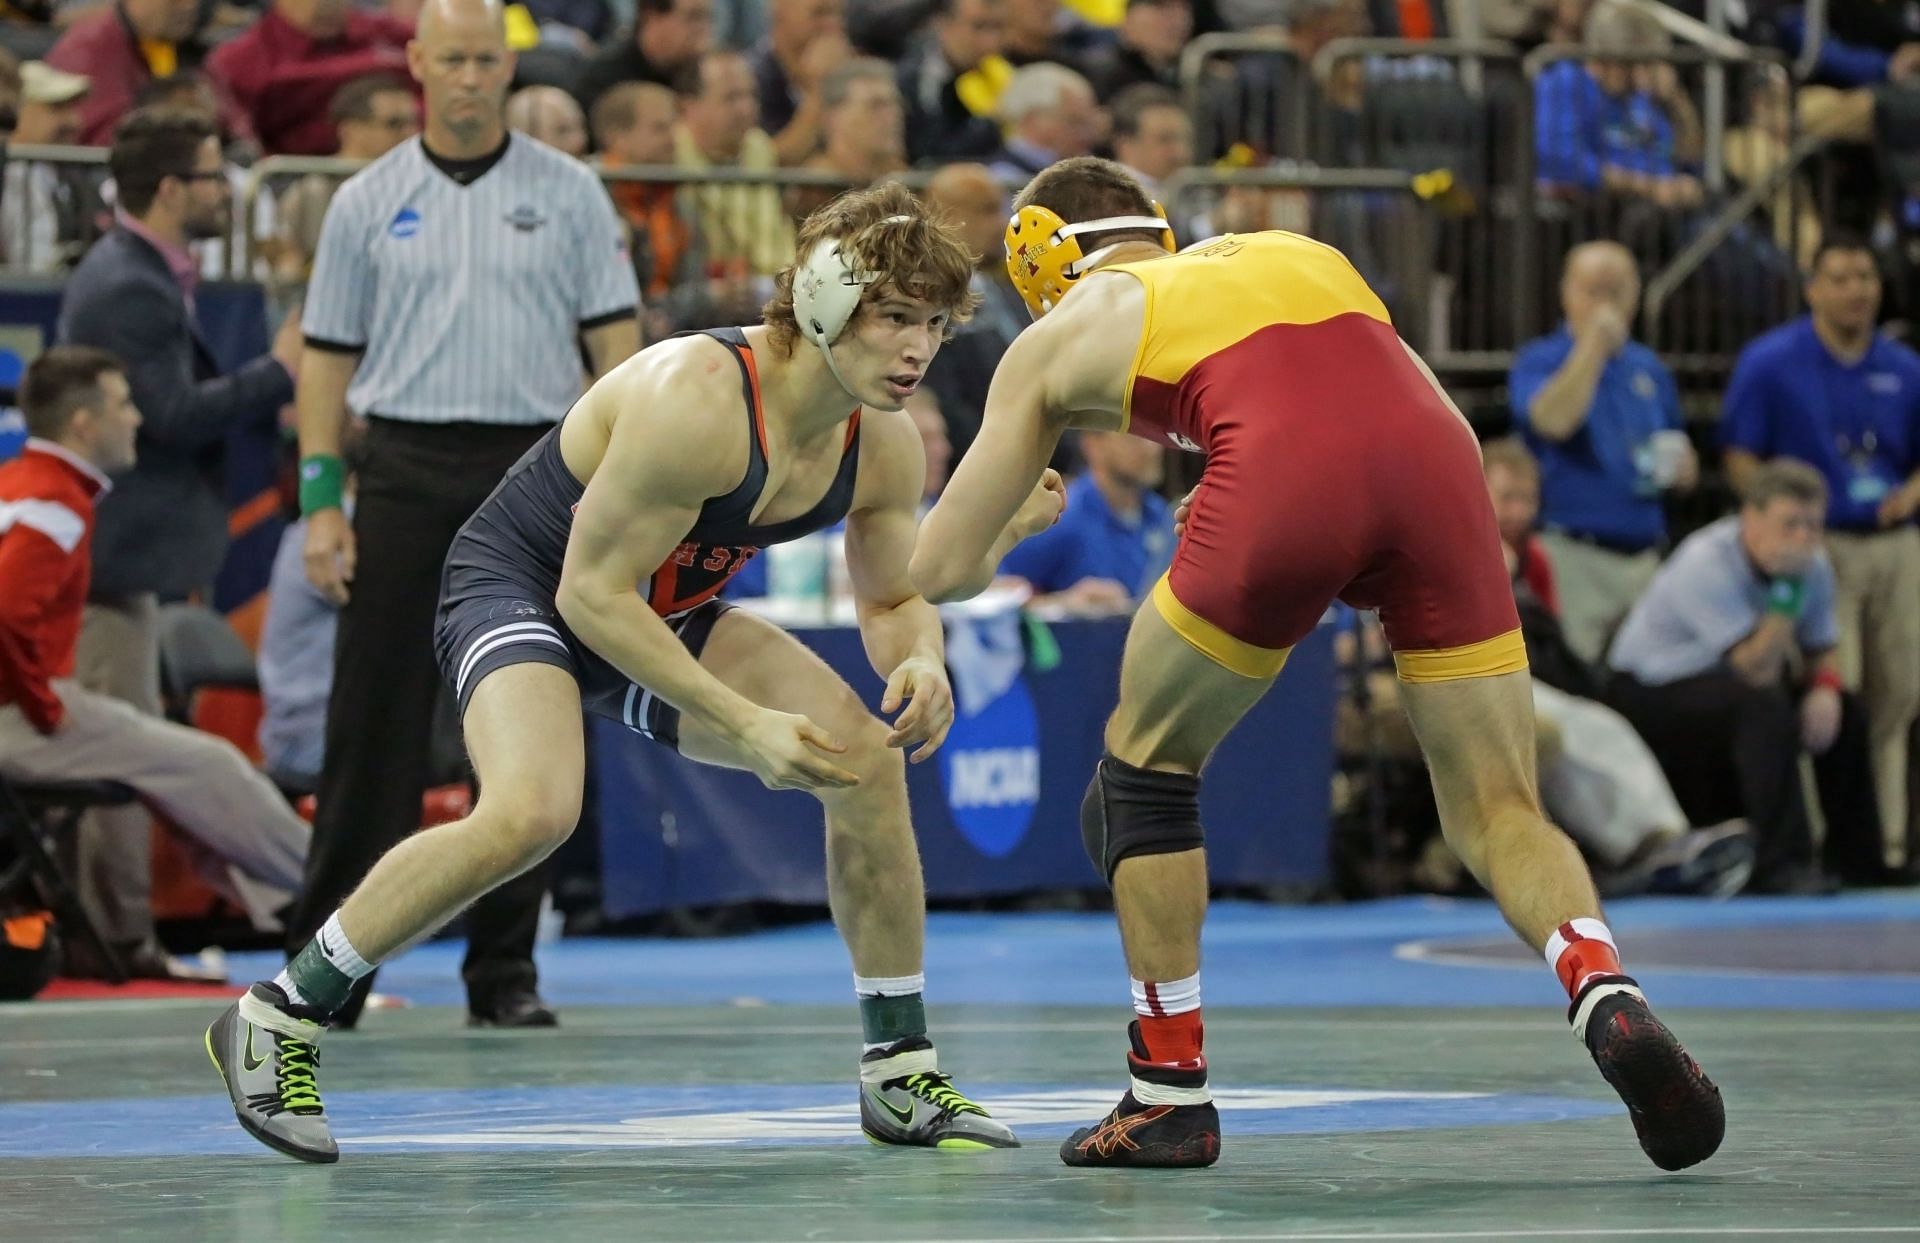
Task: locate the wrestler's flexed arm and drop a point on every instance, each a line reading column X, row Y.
column 1067, row 370
column 900, row 629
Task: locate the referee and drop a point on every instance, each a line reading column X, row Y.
column 455, row 278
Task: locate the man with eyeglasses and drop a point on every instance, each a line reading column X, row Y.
column 162, row 530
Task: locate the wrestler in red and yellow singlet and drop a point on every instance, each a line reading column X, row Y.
column 1334, row 468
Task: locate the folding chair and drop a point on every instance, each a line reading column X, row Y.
column 34, row 817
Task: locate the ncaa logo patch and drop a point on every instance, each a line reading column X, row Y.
column 405, row 224
column 991, row 765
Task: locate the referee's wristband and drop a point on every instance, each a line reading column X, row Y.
column 323, row 481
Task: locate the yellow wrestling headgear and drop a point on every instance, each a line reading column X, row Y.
column 1044, row 260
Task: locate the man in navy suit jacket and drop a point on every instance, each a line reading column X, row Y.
column 163, row 528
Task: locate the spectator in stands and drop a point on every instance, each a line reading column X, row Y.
column 1115, row 538
column 1038, row 30
column 571, row 23
column 1755, row 151
column 972, row 197
column 192, row 91
column 1513, row 483
column 285, row 69
column 1153, row 138
column 83, row 421
column 864, row 129
column 667, row 36
column 123, row 47
column 633, row 127
column 550, row 115
column 1146, row 50
column 1594, row 130
column 162, row 531
column 1727, row 668
column 371, row 116
column 1826, row 389
column 1050, row 114
column 745, row 228
column 1865, row 42
column 1603, row 414
column 806, row 43
column 41, row 206
column 953, row 80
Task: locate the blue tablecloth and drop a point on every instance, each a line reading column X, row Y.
column 997, row 813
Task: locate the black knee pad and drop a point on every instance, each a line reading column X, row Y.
column 1136, row 811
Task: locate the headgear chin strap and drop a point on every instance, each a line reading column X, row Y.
column 1044, row 260
column 826, row 294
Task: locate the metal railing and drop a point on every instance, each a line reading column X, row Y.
column 38, row 179
column 1376, row 217
column 1457, row 114
column 761, row 205
column 1715, row 258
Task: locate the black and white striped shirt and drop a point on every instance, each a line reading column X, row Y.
column 468, row 299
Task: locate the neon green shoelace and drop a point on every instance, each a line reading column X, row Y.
column 937, row 1088
column 297, row 1060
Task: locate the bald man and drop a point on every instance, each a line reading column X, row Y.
column 972, row 196
column 550, row 115
column 454, row 279
column 1602, row 413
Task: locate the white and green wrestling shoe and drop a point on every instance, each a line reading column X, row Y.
column 920, row 1107
column 266, row 1049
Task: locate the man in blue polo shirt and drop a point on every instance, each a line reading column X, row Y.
column 1602, row 414
column 1115, row 537
column 1828, row 390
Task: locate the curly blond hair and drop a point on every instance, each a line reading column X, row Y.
column 921, row 256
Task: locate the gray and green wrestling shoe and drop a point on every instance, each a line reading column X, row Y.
column 266, row 1049
column 920, row 1107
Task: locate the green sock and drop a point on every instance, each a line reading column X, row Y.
column 321, row 984
column 887, row 1020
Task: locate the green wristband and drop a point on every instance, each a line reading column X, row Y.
column 1785, row 596
column 323, row 481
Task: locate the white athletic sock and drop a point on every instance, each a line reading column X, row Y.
column 1159, row 998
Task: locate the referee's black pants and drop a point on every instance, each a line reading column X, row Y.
column 1733, row 749
column 418, row 483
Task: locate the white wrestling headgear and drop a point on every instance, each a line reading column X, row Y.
column 826, row 294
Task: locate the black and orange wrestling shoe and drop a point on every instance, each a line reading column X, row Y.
column 1174, row 1126
column 1676, row 1109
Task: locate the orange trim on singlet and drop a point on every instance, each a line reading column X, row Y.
column 753, row 384
column 696, row 599
column 853, row 429
column 660, row 586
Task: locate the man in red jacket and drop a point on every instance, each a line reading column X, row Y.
column 285, row 69
column 81, row 419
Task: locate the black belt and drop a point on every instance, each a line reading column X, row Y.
column 1600, row 541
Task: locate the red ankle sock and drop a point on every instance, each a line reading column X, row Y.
column 1579, row 950
column 1174, row 1039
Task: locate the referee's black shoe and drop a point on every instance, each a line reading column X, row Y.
column 513, row 1007
column 1676, row 1109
